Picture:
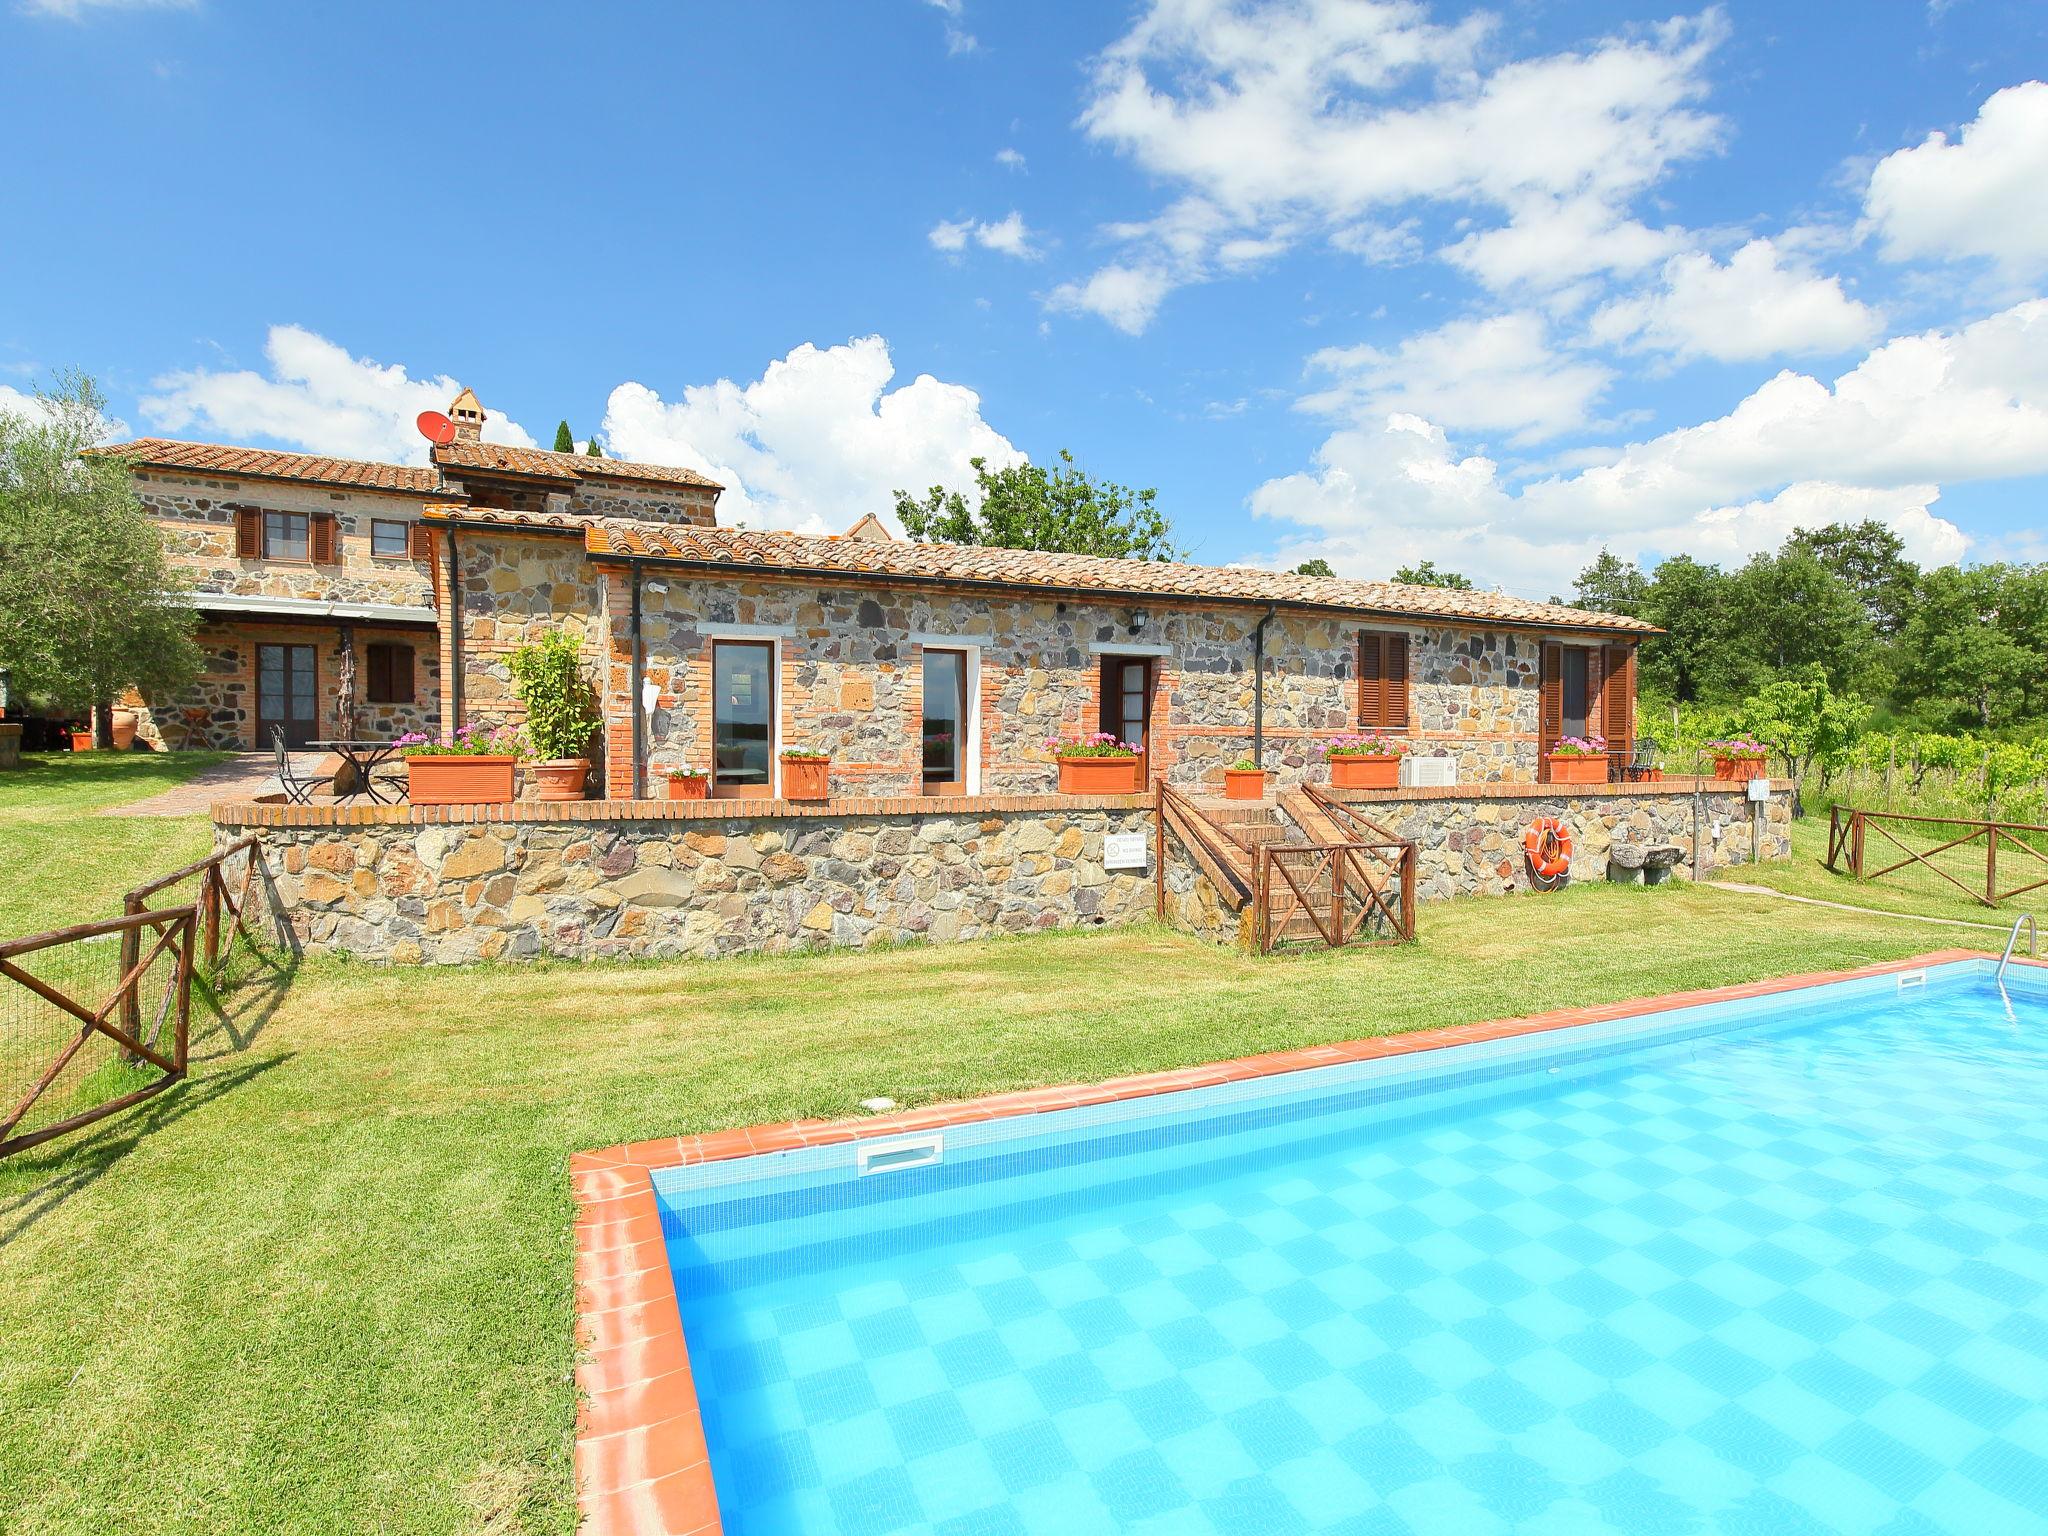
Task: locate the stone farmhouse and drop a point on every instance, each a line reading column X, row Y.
column 349, row 598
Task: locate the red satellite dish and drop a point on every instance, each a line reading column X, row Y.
column 435, row 428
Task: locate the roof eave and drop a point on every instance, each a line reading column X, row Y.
column 1091, row 594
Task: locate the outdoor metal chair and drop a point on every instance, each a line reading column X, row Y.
column 297, row 791
column 1641, row 760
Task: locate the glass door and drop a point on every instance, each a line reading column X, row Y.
column 287, row 694
column 1127, row 704
column 742, row 720
column 946, row 722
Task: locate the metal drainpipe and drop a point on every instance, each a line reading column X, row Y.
column 1259, row 686
column 633, row 695
column 454, row 634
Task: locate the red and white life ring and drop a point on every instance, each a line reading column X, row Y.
column 1548, row 843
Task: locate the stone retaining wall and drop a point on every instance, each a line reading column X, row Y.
column 408, row 890
column 1469, row 840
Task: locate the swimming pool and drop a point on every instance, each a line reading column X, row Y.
column 1774, row 1266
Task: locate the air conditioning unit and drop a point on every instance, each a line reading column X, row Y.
column 1429, row 772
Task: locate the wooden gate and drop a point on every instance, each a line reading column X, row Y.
column 64, row 1061
column 1992, row 863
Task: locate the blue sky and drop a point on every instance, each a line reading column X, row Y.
column 1374, row 282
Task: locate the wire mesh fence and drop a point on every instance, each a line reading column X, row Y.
column 97, row 1017
column 1981, row 864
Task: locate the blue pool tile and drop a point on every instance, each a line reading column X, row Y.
column 1167, row 1408
column 1029, row 1456
column 1621, row 1423
column 1719, row 1368
column 2013, row 1473
column 885, row 1333
column 929, row 1424
column 1139, row 1486
column 1848, row 1387
column 1512, row 1486
column 1253, row 1508
column 876, row 1505
column 832, row 1395
column 1392, row 1382
column 974, row 1357
column 1271, row 1432
column 1287, row 1362
column 1386, row 1457
column 1887, row 1465
column 1070, row 1381
column 1503, row 1404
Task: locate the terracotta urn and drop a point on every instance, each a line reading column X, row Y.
column 446, row 779
column 1354, row 772
column 126, row 722
column 1098, row 775
column 561, row 778
column 806, row 778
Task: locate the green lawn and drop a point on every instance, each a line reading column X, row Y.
column 61, row 863
column 326, row 1286
column 1911, row 890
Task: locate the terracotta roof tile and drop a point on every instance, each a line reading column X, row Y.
column 500, row 517
column 545, row 464
column 969, row 565
column 265, row 464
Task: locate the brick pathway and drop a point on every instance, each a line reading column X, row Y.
column 242, row 777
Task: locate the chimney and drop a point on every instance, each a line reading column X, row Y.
column 468, row 415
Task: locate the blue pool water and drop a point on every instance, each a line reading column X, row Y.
column 1775, row 1269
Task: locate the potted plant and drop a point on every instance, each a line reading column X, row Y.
column 1741, row 758
column 1245, row 781
column 81, row 739
column 1368, row 761
column 562, row 712
column 688, row 783
column 1095, row 764
column 472, row 767
column 1579, row 760
column 806, row 774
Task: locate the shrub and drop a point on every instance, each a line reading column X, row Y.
column 562, row 713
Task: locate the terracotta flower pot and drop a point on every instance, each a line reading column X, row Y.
column 1740, row 769
column 1579, row 768
column 1365, row 772
column 10, row 744
column 126, row 722
column 806, row 778
column 81, row 741
column 445, row 779
column 694, row 788
column 562, row 778
column 1098, row 775
column 1244, row 783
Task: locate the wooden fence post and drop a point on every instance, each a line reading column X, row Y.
column 1856, row 844
column 1991, row 863
column 210, row 892
column 1408, row 891
column 131, row 952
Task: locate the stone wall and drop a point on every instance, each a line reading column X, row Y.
column 644, row 500
column 1469, row 842
column 851, row 681
column 391, row 885
column 218, row 708
column 197, row 518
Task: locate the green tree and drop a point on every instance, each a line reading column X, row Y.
column 565, row 440
column 1960, row 658
column 1689, row 663
column 1790, row 610
column 1806, row 723
column 1612, row 585
column 1028, row 506
column 1427, row 575
column 1316, row 567
column 591, row 450
column 1871, row 559
column 89, row 605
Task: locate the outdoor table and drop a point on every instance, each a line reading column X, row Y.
column 360, row 758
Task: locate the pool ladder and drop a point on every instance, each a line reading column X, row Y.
column 2012, row 941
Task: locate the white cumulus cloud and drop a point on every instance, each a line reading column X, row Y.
column 1916, row 414
column 77, row 10
column 815, row 442
column 1127, row 297
column 1292, row 117
column 1980, row 194
column 316, row 397
column 1499, row 374
column 1008, row 236
column 1754, row 305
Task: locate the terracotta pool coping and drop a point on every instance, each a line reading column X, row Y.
column 642, row 1465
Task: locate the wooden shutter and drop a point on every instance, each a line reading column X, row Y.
column 1550, row 708
column 248, row 534
column 1382, row 681
column 320, row 538
column 1372, row 678
column 1394, row 688
column 419, row 542
column 1618, row 698
column 389, row 672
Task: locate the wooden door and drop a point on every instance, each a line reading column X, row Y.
column 287, row 693
column 1127, row 705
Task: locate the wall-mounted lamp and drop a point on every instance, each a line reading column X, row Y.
column 650, row 695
